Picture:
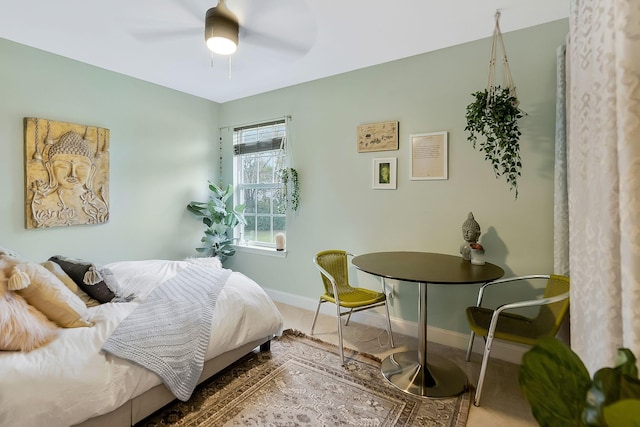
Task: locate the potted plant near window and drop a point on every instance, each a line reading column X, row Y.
column 219, row 221
column 493, row 116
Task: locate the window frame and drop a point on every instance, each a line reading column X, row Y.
column 258, row 148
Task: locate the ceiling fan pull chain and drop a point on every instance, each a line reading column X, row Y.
column 229, row 67
column 211, row 59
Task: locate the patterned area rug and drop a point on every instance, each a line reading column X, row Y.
column 300, row 382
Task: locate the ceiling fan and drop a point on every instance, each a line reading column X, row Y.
column 254, row 25
column 221, row 30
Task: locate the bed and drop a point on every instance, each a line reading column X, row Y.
column 73, row 381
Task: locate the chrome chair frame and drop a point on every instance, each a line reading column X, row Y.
column 340, row 313
column 494, row 322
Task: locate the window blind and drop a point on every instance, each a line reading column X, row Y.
column 258, row 138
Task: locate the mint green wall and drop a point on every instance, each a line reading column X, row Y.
column 162, row 154
column 164, row 147
column 425, row 93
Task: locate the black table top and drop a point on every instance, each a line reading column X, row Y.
column 426, row 267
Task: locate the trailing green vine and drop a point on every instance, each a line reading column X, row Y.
column 290, row 189
column 496, row 118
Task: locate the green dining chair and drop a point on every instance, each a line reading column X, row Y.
column 333, row 266
column 504, row 325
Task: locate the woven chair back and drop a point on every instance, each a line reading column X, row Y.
column 336, row 264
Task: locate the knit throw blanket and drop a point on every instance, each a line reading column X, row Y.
column 168, row 333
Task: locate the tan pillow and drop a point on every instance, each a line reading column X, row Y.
column 23, row 327
column 49, row 295
column 69, row 283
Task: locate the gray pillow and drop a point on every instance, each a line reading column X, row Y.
column 87, row 277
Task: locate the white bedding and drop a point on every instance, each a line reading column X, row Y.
column 71, row 379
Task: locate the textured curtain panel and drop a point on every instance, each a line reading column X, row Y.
column 560, row 195
column 604, row 178
column 560, row 190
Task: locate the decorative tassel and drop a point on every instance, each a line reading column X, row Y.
column 92, row 276
column 18, row 280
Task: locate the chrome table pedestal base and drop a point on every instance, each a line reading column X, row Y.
column 441, row 379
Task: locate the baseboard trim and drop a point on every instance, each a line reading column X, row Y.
column 500, row 350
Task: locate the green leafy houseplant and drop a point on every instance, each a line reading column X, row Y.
column 495, row 117
column 561, row 393
column 290, row 190
column 219, row 222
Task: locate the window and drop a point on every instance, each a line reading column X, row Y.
column 259, row 153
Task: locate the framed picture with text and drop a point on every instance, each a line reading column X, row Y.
column 429, row 156
column 384, row 173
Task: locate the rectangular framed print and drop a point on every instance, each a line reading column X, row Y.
column 429, row 156
column 378, row 137
column 384, row 173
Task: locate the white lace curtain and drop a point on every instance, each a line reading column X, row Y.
column 600, row 214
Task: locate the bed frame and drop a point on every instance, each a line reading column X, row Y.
column 140, row 407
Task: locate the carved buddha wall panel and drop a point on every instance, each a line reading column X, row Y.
column 66, row 173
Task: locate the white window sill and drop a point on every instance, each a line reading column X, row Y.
column 260, row 250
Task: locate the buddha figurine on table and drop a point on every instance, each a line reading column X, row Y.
column 470, row 234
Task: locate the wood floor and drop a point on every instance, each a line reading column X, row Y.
column 502, row 401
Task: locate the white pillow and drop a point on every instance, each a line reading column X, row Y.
column 211, row 261
column 140, row 278
column 8, row 252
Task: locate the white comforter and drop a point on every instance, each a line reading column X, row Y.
column 71, row 379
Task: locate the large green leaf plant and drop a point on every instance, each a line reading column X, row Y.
column 219, row 221
column 561, row 393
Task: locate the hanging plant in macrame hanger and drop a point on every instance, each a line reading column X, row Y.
column 494, row 115
column 290, row 189
column 288, row 177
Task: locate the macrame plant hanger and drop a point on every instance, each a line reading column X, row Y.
column 289, row 174
column 506, row 72
column 285, row 147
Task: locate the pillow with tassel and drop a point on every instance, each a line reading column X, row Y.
column 69, row 283
column 23, row 327
column 44, row 291
column 87, row 276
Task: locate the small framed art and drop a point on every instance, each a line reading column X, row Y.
column 429, row 156
column 384, row 173
column 378, row 137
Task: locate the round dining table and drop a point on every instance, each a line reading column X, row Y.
column 412, row 371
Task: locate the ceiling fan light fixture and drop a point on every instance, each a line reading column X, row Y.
column 221, row 45
column 221, row 30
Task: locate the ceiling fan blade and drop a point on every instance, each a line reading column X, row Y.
column 163, row 35
column 269, row 41
column 197, row 13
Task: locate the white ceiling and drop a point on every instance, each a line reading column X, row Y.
column 287, row 41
